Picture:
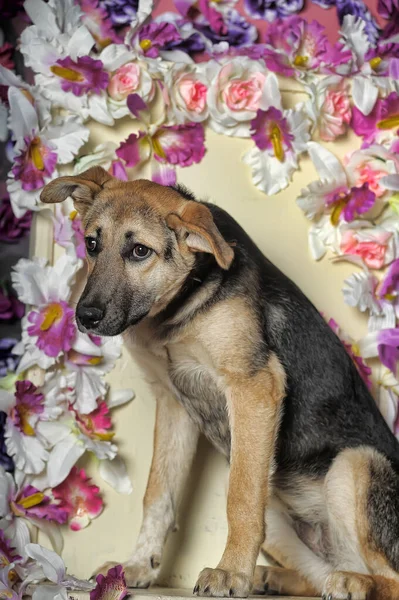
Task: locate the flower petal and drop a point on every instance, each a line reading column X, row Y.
column 327, row 165
column 80, row 43
column 62, row 458
column 364, row 94
column 68, row 138
column 119, row 397
column 23, row 117
column 52, row 564
column 115, row 474
column 50, row 592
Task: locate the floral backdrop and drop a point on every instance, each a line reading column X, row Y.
column 174, row 70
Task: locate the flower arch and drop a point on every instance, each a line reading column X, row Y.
column 205, row 64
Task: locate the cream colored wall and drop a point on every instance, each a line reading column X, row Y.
column 280, row 229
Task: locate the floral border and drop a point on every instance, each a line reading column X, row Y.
column 173, row 76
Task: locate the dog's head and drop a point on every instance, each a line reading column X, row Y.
column 140, row 242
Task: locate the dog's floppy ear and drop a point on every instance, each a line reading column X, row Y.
column 203, row 235
column 82, row 188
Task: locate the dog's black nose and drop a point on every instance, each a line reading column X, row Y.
column 90, row 316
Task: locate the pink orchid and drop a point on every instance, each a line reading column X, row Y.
column 96, row 424
column 54, row 326
column 80, row 499
column 353, row 350
column 112, row 586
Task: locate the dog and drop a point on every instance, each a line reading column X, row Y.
column 234, row 350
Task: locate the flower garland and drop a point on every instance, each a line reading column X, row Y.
column 207, row 64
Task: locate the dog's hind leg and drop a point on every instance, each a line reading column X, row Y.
column 301, row 571
column 361, row 494
column 278, row 580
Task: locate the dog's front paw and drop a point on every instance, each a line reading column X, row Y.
column 137, row 574
column 348, row 586
column 220, row 583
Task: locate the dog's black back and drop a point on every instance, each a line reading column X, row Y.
column 328, row 407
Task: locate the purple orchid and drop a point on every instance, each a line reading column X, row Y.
column 349, row 204
column 236, row 30
column 390, row 283
column 120, row 12
column 181, row 145
column 8, row 360
column 29, row 401
column 293, row 44
column 272, row 9
column 359, row 9
column 81, row 77
column 112, row 586
column 270, row 131
column 35, row 162
column 5, row 461
column 11, row 228
column 8, row 554
column 11, row 309
column 31, row 503
column 156, row 36
column 361, row 200
column 388, row 348
column 95, row 18
column 383, row 117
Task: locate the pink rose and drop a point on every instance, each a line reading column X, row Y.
column 366, row 174
column 124, row 81
column 243, row 94
column 372, row 252
column 193, row 93
column 336, row 114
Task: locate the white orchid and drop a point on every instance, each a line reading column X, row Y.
column 65, row 72
column 343, row 194
column 280, row 137
column 38, row 150
column 49, row 329
column 369, row 76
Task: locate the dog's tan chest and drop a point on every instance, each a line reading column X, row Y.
column 185, row 368
column 199, row 391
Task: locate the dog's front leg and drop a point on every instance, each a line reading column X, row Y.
column 175, row 442
column 254, row 406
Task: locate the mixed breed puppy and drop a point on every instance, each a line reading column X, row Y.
column 233, row 349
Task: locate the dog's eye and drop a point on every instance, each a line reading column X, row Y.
column 141, row 252
column 91, row 245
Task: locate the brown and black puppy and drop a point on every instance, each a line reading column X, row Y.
column 235, row 350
